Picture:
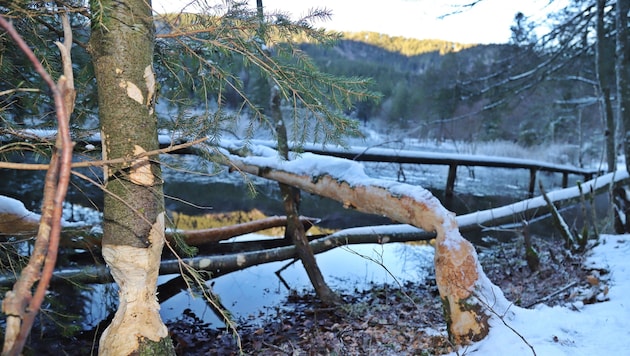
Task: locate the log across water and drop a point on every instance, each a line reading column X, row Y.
column 453, row 161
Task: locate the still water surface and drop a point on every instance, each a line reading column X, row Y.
column 257, row 291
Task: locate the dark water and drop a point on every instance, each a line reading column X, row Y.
column 256, row 291
column 217, row 190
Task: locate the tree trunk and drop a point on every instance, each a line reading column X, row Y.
column 605, row 59
column 623, row 94
column 621, row 69
column 291, row 197
column 133, row 219
column 291, row 200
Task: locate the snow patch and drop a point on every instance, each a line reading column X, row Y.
column 16, row 207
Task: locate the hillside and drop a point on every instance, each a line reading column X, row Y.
column 446, row 90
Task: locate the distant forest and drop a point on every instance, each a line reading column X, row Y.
column 447, row 90
column 444, row 90
column 431, row 89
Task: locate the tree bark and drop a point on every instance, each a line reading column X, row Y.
column 291, row 201
column 623, row 78
column 133, row 218
column 623, row 95
column 206, row 236
column 21, row 304
column 291, row 197
column 605, row 63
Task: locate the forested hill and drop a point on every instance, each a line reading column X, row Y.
column 442, row 89
column 398, row 53
column 404, row 45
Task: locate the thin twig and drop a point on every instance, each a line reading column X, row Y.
column 549, row 296
column 99, row 163
column 23, row 305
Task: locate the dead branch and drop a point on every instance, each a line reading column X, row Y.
column 106, row 162
column 226, row 263
column 205, row 236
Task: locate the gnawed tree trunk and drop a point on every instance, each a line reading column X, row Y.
column 271, row 251
column 133, row 218
column 469, row 298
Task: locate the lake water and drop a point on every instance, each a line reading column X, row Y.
column 257, row 291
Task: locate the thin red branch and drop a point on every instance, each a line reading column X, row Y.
column 55, row 189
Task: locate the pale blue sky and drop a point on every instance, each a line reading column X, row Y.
column 487, row 22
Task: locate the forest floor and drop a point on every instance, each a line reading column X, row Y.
column 384, row 320
column 391, row 320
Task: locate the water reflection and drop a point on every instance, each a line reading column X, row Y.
column 256, row 291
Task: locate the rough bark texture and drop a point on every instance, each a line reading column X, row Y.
column 133, row 228
column 622, row 67
column 216, row 234
column 21, row 305
column 623, row 77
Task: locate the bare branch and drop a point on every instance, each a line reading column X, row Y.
column 20, row 305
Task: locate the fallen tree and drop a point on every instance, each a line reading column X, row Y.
column 469, row 298
column 462, row 282
column 216, row 234
column 259, row 252
column 16, row 219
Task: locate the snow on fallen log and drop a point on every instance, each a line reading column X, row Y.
column 505, row 214
column 470, row 299
column 15, row 218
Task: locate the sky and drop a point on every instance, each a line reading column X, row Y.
column 488, row 21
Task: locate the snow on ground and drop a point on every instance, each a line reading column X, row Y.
column 596, row 329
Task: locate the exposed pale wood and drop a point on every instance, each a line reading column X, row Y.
column 135, row 270
column 14, row 224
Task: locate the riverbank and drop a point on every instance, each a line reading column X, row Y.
column 396, row 319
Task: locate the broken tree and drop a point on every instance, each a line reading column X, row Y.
column 469, row 298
